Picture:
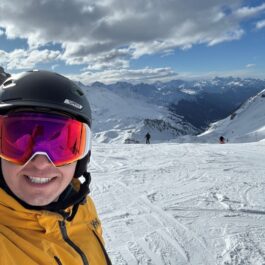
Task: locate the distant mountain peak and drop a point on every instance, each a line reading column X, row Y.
column 3, row 75
column 98, row 84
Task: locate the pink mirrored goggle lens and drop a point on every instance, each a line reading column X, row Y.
column 62, row 138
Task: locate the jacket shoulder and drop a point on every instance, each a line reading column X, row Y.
column 94, row 222
column 11, row 253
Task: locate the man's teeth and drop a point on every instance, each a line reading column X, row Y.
column 39, row 180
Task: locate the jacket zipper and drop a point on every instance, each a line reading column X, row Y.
column 58, row 260
column 71, row 243
column 103, row 248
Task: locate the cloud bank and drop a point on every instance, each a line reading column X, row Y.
column 106, row 35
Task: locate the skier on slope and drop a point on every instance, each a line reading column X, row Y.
column 221, row 140
column 147, row 137
column 46, row 215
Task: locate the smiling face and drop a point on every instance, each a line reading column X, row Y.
column 38, row 182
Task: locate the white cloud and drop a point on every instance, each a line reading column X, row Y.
column 117, row 64
column 230, row 35
column 250, row 65
column 23, row 59
column 53, row 67
column 133, row 76
column 107, row 34
column 260, row 24
column 242, row 73
column 116, row 58
column 249, row 11
column 150, row 75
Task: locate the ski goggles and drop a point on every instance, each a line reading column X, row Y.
column 25, row 134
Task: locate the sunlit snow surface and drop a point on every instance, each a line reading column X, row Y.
column 181, row 203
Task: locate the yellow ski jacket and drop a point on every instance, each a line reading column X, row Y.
column 33, row 237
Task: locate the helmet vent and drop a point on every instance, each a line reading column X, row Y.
column 8, row 83
column 79, row 92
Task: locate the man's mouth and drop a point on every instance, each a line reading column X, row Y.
column 39, row 180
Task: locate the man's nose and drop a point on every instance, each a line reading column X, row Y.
column 41, row 161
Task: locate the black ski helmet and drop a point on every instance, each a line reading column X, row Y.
column 43, row 89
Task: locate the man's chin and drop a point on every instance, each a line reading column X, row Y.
column 39, row 201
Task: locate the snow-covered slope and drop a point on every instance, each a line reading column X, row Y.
column 247, row 124
column 181, row 204
column 117, row 118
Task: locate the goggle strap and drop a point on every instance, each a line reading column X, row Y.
column 88, row 141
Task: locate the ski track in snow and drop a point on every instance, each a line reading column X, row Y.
column 199, row 204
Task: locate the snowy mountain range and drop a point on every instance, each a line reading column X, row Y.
column 125, row 112
column 122, row 118
column 216, row 99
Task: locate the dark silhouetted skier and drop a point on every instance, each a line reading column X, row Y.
column 221, row 140
column 147, row 137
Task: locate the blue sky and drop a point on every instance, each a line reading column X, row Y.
column 136, row 41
